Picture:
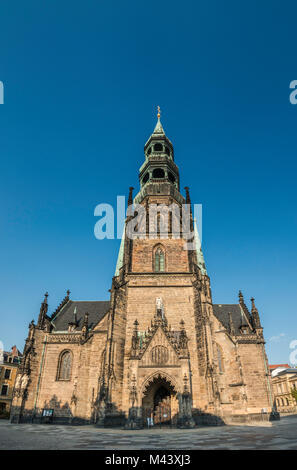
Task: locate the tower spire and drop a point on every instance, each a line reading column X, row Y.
column 255, row 315
column 159, row 128
column 43, row 311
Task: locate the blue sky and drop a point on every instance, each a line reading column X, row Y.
column 82, row 81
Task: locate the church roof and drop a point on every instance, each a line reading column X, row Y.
column 221, row 311
column 95, row 308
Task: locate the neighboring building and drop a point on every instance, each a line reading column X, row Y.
column 284, row 380
column 276, row 368
column 159, row 348
column 8, row 373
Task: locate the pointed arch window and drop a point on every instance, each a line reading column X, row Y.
column 159, row 260
column 64, row 366
column 220, row 359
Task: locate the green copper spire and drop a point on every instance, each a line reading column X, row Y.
column 159, row 128
column 120, row 260
column 200, row 257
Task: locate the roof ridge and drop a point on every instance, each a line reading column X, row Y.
column 90, row 300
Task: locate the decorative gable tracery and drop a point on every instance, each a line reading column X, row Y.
column 160, row 353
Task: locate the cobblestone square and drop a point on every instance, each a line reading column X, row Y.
column 278, row 435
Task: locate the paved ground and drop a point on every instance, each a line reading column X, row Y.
column 280, row 435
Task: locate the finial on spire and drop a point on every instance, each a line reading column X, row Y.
column 255, row 315
column 241, row 300
column 130, row 197
column 188, row 199
column 68, row 293
column 43, row 311
column 159, row 112
column 253, row 304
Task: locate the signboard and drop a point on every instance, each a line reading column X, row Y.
column 46, row 412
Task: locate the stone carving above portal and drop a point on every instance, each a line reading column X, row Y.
column 159, row 355
column 160, row 352
column 170, row 345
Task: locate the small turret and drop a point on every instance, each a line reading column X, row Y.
column 255, row 315
column 85, row 327
column 130, row 198
column 43, row 312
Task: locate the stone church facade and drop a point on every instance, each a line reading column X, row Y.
column 159, row 349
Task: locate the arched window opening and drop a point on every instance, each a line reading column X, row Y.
column 167, row 151
column 145, row 178
column 158, row 173
column 220, row 359
column 64, row 366
column 160, row 355
column 158, row 147
column 159, row 260
column 171, row 177
column 149, row 151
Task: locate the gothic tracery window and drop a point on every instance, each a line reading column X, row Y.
column 159, row 260
column 160, row 355
column 64, row 366
column 220, row 359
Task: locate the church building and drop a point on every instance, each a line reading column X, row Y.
column 159, row 351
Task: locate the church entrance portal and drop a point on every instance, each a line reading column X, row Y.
column 162, row 406
column 160, row 403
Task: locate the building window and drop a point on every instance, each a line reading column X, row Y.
column 158, row 173
column 220, row 358
column 158, row 147
column 7, row 374
column 4, row 390
column 160, row 355
column 159, row 260
column 145, row 178
column 171, row 177
column 64, row 366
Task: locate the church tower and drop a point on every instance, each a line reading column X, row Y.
column 165, row 361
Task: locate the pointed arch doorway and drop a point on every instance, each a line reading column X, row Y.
column 160, row 402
